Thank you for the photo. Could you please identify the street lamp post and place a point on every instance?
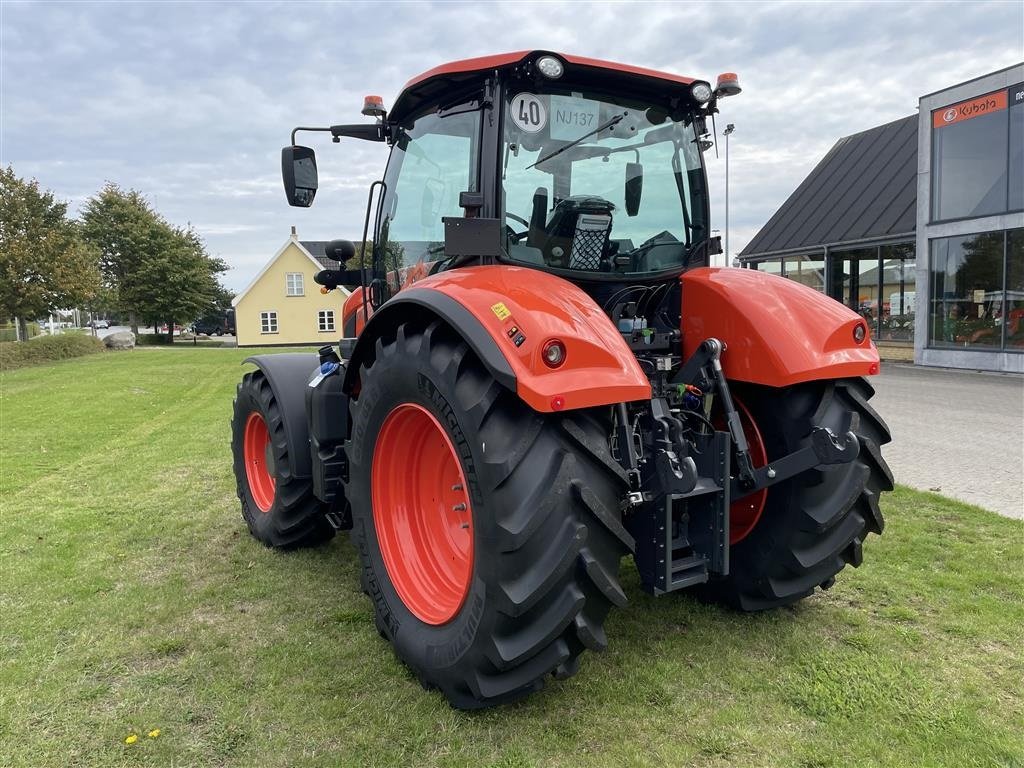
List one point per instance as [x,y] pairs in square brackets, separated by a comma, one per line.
[728,130]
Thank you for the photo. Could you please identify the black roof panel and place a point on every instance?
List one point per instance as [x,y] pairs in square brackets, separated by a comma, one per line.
[865,187]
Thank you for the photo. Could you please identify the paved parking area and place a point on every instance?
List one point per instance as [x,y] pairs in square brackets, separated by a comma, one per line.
[960,433]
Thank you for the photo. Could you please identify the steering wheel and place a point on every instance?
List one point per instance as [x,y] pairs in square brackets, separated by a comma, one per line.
[517,236]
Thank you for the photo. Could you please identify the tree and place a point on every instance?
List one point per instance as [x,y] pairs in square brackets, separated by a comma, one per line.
[127,232]
[44,262]
[158,272]
[180,281]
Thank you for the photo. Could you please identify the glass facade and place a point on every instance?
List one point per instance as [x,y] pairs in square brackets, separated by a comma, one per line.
[977,291]
[978,156]
[898,293]
[807,270]
[876,282]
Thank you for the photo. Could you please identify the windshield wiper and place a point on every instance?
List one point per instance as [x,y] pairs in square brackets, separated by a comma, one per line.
[608,124]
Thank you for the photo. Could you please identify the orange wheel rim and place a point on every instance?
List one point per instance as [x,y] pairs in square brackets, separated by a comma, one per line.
[744,513]
[256,450]
[422,514]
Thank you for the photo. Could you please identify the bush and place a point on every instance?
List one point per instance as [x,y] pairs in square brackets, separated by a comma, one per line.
[46,349]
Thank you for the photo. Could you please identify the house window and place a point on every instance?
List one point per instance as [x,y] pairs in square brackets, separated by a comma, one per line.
[325,319]
[268,322]
[294,284]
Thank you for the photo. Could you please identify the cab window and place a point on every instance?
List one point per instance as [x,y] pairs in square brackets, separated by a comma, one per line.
[432,161]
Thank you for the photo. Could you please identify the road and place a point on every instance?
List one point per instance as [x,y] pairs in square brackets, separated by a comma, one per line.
[960,433]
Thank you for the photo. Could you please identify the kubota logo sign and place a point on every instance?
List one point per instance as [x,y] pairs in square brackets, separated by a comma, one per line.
[965,110]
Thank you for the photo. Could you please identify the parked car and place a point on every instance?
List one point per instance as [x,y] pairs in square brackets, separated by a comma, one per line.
[209,327]
[100,324]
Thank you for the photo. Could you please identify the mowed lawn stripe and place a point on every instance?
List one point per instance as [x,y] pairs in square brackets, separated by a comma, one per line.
[132,598]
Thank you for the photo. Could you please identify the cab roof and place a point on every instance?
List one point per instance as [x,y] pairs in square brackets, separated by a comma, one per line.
[431,85]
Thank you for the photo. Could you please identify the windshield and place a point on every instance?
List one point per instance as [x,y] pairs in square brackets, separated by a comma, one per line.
[602,186]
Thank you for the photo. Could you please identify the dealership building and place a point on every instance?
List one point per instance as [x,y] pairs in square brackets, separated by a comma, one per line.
[918,225]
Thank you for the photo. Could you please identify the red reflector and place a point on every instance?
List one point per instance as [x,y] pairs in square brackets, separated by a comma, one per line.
[557,403]
[873,369]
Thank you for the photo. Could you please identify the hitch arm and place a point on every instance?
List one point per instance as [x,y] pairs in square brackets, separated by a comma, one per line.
[708,359]
[825,448]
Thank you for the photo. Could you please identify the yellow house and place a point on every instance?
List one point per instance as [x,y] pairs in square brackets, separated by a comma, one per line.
[283,305]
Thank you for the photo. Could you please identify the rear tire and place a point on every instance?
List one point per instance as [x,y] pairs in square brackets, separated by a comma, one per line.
[815,524]
[282,513]
[543,495]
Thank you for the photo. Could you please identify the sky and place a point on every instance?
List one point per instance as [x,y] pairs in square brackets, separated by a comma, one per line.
[191,102]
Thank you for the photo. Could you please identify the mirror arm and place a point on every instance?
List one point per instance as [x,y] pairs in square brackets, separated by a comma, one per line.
[372,132]
[302,128]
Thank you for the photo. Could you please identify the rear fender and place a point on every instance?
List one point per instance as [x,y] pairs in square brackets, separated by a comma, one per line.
[288,375]
[777,331]
[506,314]
[354,313]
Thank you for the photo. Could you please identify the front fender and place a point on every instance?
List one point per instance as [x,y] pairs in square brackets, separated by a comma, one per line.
[507,314]
[288,375]
[777,331]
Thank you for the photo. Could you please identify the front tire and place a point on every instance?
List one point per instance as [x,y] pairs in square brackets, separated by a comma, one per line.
[533,572]
[812,526]
[279,508]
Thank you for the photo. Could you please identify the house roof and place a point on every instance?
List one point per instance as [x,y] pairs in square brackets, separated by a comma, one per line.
[321,262]
[865,188]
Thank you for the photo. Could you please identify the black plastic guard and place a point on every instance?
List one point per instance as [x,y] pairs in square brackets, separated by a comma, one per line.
[288,375]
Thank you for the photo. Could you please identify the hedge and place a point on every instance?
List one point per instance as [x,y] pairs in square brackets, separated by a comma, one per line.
[45,349]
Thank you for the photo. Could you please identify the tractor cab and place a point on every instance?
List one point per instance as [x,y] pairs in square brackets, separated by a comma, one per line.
[587,169]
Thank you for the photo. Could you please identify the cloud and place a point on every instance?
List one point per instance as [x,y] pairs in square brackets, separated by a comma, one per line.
[190,102]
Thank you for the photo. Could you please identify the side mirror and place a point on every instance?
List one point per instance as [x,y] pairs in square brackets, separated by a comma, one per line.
[298,170]
[634,187]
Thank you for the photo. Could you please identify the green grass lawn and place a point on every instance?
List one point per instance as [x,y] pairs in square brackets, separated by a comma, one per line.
[132,598]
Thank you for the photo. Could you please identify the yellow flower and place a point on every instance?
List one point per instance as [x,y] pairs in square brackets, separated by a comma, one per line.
[131,739]
[154,733]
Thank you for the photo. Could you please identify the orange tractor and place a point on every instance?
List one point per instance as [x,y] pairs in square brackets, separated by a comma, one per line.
[540,375]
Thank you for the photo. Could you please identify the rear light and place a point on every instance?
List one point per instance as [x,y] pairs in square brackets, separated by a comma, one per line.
[557,403]
[873,369]
[553,353]
[860,332]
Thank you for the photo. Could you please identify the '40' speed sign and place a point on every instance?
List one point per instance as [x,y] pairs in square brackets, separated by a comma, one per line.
[529,113]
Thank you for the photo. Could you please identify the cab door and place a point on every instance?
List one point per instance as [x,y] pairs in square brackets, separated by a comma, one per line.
[434,158]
